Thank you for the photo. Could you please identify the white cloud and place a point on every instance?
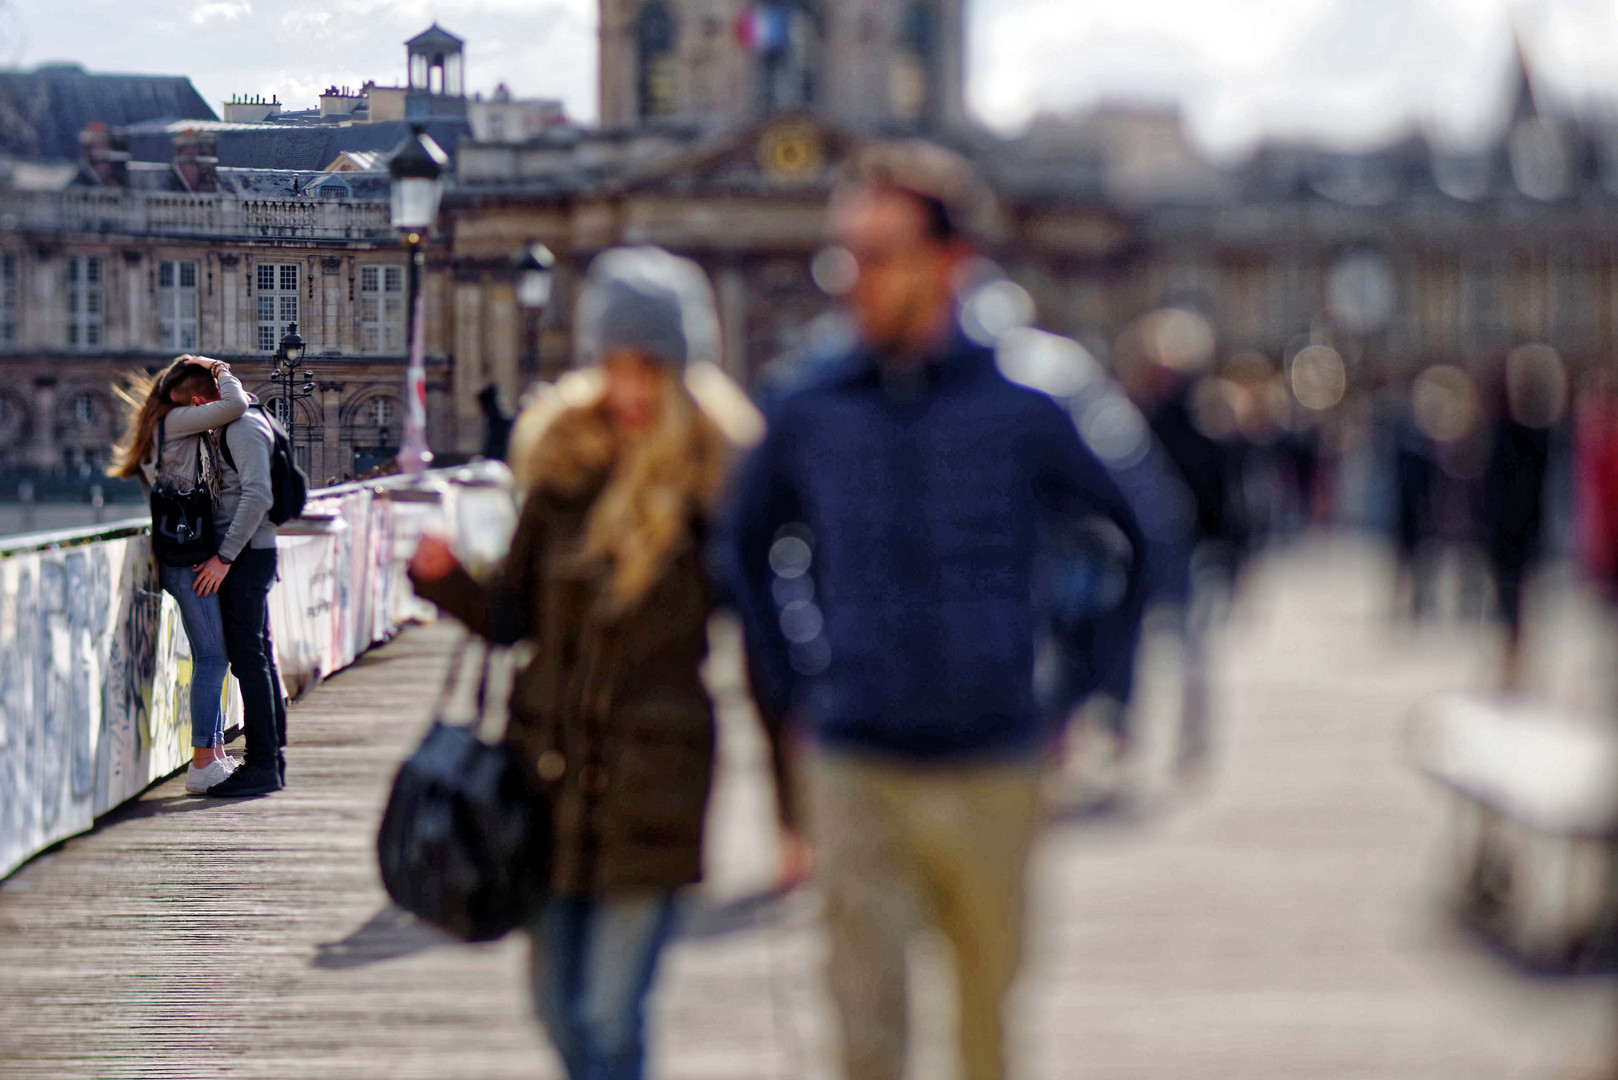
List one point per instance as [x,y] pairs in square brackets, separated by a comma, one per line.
[220,11]
[1347,70]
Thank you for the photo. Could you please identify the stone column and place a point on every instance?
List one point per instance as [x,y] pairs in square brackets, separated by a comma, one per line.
[732,297]
[49,327]
[331,304]
[230,299]
[137,329]
[331,407]
[506,341]
[469,373]
[45,453]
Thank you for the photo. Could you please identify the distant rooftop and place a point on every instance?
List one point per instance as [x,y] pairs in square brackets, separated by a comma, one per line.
[307,147]
[43,111]
[435,37]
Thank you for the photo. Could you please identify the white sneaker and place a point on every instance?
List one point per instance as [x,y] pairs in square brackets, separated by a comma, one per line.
[198,781]
[231,764]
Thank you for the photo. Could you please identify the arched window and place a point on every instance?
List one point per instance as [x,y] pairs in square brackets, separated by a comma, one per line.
[86,410]
[655,35]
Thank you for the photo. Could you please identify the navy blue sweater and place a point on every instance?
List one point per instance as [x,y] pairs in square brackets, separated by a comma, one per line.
[880,545]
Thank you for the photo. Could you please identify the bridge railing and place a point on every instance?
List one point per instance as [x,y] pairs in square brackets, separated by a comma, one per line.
[95,666]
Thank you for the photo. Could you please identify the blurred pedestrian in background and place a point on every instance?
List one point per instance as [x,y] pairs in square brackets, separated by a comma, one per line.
[881,545]
[1088,666]
[496,424]
[1530,401]
[606,580]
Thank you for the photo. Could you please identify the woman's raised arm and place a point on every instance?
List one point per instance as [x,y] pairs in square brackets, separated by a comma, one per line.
[195,419]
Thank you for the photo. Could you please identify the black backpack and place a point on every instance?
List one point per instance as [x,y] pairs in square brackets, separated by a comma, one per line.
[288,484]
[182,520]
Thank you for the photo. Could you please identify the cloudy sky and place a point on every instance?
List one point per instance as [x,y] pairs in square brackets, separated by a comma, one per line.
[1347,71]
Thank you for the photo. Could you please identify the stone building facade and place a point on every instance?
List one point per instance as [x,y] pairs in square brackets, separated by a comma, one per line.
[1402,256]
[97,283]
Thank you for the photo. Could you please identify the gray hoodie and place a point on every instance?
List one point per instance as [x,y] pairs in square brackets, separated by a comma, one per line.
[245,495]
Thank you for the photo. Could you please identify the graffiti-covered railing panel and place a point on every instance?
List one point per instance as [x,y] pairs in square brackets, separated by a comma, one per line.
[94,664]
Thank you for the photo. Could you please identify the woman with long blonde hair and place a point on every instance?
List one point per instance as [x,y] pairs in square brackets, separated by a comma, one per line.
[606,579]
[170,437]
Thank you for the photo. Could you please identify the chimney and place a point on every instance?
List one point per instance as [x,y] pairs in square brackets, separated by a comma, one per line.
[196,159]
[106,151]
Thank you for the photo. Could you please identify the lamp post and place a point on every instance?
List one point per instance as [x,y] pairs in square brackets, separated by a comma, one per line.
[284,373]
[533,269]
[417,169]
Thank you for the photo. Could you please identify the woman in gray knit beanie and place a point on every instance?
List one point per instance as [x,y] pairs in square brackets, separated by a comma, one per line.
[606,579]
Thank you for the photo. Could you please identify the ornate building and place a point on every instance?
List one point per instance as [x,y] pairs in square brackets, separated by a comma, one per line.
[717,61]
[167,236]
[724,123]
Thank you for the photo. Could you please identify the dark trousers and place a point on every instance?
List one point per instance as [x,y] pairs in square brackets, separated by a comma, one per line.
[244,604]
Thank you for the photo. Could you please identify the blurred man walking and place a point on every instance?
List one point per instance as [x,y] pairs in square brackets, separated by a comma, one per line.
[881,544]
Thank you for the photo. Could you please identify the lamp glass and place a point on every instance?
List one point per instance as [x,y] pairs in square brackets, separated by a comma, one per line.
[294,353]
[415,202]
[534,288]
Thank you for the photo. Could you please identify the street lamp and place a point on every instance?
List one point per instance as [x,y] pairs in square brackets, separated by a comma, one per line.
[417,170]
[533,269]
[284,373]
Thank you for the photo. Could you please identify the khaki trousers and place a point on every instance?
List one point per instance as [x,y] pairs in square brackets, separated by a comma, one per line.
[948,841]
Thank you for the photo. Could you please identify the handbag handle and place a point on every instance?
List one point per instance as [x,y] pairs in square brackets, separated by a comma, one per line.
[452,684]
[162,428]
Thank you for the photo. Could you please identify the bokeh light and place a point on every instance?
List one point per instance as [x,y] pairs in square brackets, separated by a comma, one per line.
[1319,377]
[1446,403]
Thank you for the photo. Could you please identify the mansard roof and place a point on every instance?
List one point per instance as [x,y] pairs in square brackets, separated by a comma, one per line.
[301,147]
[43,111]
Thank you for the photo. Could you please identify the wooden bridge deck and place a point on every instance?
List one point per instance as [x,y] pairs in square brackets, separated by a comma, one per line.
[1279,923]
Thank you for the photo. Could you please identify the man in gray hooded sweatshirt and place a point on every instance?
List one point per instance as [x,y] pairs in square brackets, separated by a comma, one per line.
[242,573]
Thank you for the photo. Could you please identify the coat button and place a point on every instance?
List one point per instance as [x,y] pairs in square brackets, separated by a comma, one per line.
[551,766]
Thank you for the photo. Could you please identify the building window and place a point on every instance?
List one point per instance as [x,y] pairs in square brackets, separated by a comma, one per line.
[277,302]
[277,407]
[382,309]
[333,191]
[382,411]
[84,302]
[655,32]
[8,299]
[86,411]
[177,305]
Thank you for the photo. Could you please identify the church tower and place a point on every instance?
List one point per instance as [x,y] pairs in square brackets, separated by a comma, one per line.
[870,63]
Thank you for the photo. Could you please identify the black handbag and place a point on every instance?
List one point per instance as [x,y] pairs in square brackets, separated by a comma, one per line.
[182,519]
[465,841]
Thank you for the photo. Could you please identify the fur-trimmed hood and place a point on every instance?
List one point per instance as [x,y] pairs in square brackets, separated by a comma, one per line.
[648,496]
[555,436]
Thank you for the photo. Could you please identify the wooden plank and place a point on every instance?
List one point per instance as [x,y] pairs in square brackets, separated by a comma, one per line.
[1280,924]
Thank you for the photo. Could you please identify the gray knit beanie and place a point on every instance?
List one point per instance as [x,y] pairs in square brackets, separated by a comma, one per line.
[645,298]
[642,315]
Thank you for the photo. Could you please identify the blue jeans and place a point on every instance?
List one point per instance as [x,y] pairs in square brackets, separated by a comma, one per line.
[593,964]
[205,629]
